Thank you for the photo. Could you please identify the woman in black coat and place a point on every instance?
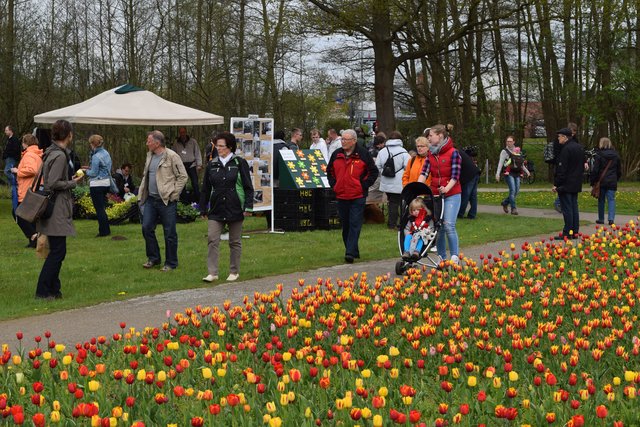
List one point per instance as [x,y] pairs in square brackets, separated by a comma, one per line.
[606,155]
[227,192]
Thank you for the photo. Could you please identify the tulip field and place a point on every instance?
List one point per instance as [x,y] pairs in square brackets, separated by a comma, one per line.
[542,334]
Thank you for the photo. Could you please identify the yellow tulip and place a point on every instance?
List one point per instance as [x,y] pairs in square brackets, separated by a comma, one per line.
[206,373]
[222,372]
[377,421]
[94,385]
[513,376]
[472,381]
[55,416]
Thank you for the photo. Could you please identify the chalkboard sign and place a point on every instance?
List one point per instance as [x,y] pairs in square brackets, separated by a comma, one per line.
[303,169]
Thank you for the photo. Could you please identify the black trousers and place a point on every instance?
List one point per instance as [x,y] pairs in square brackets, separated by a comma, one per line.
[49,280]
[192,172]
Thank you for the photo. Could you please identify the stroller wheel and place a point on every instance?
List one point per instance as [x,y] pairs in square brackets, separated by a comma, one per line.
[400,268]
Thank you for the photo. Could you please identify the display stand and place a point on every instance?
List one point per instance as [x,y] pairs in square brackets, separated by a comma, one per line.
[304,201]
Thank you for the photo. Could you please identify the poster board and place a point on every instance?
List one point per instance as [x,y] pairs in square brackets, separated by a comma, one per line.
[302,169]
[254,136]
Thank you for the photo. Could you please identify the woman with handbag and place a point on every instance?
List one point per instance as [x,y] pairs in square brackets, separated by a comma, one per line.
[27,171]
[55,173]
[605,174]
[99,174]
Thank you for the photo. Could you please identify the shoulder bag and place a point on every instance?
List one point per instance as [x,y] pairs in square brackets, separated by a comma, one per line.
[595,190]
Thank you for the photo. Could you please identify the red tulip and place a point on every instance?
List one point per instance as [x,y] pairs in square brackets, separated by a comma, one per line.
[601,411]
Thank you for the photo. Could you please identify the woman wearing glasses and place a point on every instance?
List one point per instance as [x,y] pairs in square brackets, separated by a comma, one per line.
[227,197]
[414,168]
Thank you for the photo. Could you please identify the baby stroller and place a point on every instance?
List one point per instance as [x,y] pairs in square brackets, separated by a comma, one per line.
[427,234]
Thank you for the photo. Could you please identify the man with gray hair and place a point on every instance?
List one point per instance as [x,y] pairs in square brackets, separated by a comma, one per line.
[163,179]
[351,171]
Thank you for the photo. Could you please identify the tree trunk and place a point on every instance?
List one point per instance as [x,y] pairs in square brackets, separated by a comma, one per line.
[384,73]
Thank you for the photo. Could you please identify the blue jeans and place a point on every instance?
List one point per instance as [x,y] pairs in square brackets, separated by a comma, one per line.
[513,182]
[570,213]
[610,196]
[469,195]
[451,208]
[99,199]
[154,210]
[351,213]
[10,162]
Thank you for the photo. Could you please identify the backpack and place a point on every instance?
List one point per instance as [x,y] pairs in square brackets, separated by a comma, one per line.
[548,152]
[516,162]
[389,168]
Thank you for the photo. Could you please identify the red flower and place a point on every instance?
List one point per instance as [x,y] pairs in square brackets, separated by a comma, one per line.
[551,379]
[233,399]
[38,387]
[355,414]
[576,421]
[551,417]
[406,390]
[38,419]
[130,401]
[414,416]
[482,396]
[197,421]
[464,409]
[601,411]
[214,409]
[446,386]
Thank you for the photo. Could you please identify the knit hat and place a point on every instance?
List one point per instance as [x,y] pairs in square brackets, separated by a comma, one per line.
[566,132]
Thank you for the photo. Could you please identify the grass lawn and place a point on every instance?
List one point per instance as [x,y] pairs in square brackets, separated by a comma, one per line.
[99,270]
[626,201]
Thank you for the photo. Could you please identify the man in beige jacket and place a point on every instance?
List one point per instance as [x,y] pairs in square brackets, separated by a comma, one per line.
[163,179]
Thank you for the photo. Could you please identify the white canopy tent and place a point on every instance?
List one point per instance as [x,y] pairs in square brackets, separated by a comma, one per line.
[130,105]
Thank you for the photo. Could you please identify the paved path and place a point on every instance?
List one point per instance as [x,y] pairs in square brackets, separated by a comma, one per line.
[79,325]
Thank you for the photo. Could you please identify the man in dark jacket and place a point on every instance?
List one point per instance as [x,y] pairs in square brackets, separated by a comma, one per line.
[469,178]
[567,181]
[351,171]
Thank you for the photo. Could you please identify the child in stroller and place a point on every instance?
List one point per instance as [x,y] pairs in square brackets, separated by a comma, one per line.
[418,230]
[421,219]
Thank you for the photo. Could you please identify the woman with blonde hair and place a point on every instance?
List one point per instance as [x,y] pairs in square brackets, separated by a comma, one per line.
[607,171]
[444,165]
[413,169]
[99,174]
[26,172]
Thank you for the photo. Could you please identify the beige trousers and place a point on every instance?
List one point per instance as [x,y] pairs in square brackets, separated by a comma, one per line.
[235,245]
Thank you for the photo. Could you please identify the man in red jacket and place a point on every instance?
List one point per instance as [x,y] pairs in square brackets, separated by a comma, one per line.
[351,171]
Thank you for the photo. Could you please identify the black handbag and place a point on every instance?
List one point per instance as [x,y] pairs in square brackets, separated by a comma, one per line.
[37,203]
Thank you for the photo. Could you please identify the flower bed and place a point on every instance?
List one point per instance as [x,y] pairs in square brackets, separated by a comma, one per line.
[542,334]
[119,210]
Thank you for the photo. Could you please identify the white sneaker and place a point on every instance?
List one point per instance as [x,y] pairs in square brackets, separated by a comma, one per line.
[224,236]
[455,260]
[232,277]
[209,278]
